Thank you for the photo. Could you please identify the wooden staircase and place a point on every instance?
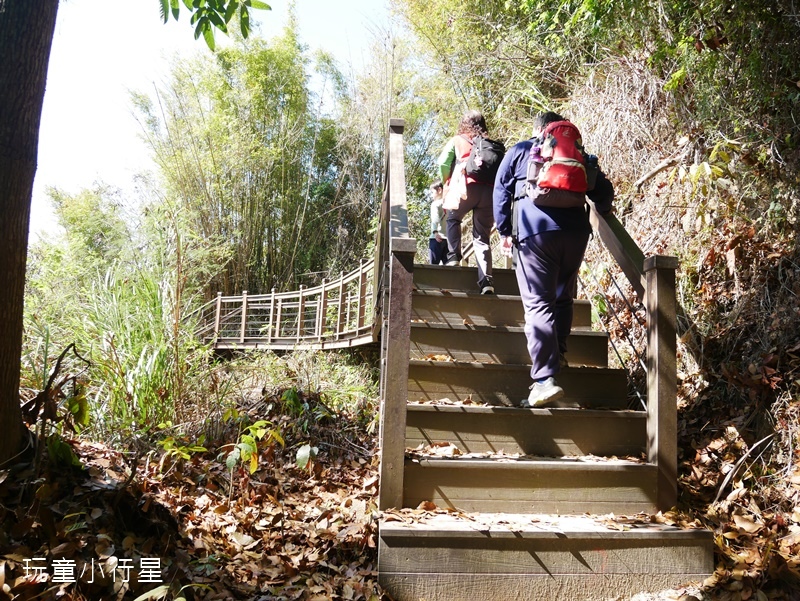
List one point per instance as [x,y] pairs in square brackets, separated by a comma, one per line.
[481,499]
[530,492]
[534,504]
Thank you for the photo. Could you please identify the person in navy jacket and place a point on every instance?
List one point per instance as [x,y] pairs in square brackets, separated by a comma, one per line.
[550,243]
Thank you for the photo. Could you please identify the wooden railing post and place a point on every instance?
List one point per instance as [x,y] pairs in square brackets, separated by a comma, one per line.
[340,314]
[369,298]
[279,319]
[378,287]
[243,330]
[218,315]
[396,335]
[362,291]
[322,310]
[300,311]
[349,311]
[271,316]
[662,387]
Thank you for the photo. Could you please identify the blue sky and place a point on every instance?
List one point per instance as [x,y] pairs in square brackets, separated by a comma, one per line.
[104,48]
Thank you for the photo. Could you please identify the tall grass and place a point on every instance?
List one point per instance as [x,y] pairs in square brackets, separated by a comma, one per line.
[124,311]
[124,325]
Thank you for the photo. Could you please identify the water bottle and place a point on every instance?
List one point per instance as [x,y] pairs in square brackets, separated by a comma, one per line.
[592,169]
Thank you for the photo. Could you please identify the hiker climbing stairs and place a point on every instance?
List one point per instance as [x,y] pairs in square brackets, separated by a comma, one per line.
[512,502]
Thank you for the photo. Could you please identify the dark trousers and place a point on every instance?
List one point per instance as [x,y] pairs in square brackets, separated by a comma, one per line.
[479,201]
[547,274]
[437,251]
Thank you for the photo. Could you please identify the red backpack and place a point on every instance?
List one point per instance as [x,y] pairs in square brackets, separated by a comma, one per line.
[557,160]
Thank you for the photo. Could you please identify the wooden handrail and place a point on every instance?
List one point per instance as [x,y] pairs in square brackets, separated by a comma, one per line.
[622,247]
[653,280]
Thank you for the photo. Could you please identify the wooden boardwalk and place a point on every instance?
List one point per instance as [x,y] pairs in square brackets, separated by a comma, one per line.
[335,314]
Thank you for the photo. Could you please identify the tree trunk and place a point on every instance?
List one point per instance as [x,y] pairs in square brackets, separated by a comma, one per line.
[26,33]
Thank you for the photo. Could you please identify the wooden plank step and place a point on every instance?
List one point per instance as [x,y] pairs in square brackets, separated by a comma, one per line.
[441,306]
[501,556]
[464,279]
[507,384]
[561,486]
[503,344]
[543,432]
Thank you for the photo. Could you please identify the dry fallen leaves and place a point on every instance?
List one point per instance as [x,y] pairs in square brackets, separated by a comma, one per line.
[281,533]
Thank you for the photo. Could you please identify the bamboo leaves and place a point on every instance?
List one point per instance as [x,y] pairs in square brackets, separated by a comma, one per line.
[248,152]
[207,15]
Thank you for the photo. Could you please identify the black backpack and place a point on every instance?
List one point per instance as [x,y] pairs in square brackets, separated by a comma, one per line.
[484,159]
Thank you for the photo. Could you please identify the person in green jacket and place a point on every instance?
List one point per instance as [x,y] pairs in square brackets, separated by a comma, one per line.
[478,199]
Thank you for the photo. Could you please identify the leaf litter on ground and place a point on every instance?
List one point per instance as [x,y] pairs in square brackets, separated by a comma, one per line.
[202,530]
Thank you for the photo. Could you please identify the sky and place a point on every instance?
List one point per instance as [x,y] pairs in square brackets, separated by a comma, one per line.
[103,49]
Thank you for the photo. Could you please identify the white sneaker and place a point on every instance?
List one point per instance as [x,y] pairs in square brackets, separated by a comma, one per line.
[452,264]
[543,393]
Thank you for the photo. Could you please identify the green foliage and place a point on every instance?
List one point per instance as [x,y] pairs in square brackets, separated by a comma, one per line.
[249,161]
[179,447]
[599,306]
[94,223]
[36,356]
[77,406]
[731,65]
[308,388]
[304,455]
[292,402]
[124,308]
[344,381]
[486,57]
[61,454]
[131,353]
[207,15]
[66,268]
[245,450]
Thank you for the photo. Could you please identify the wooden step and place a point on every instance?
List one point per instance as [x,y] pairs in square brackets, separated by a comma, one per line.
[499,344]
[453,307]
[542,432]
[464,279]
[503,384]
[559,486]
[497,556]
